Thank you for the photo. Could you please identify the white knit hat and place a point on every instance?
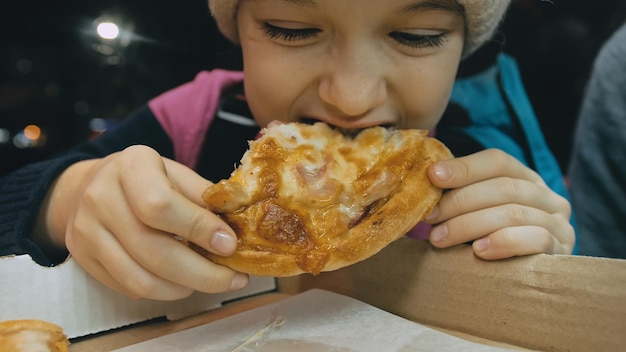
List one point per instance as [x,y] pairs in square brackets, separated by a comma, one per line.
[482,18]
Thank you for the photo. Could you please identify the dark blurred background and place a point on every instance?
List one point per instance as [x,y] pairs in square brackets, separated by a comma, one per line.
[61,83]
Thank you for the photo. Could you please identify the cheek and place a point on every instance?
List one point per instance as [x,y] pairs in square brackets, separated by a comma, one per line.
[428,93]
[261,106]
[268,88]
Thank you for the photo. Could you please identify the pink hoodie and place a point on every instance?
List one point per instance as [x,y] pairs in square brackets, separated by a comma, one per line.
[186,112]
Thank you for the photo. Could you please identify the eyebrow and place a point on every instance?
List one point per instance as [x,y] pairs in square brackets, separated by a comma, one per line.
[308,3]
[428,5]
[440,5]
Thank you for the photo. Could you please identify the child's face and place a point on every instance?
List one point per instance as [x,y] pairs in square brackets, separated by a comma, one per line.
[352,64]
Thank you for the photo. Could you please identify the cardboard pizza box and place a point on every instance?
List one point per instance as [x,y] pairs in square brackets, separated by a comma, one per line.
[539,302]
[69,297]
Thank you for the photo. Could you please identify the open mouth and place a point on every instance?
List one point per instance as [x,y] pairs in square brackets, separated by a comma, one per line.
[352,132]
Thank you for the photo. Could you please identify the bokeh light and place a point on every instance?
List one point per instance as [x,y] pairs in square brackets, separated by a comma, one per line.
[32,132]
[5,135]
[108,30]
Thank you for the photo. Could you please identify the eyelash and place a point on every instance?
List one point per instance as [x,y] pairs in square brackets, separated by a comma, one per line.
[419,41]
[288,34]
[410,40]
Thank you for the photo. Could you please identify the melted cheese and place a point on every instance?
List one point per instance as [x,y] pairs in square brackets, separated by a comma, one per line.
[326,164]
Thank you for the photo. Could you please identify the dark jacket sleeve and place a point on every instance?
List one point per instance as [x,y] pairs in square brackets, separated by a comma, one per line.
[23,190]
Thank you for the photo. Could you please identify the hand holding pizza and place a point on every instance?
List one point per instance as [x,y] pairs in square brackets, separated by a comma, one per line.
[119,215]
[501,205]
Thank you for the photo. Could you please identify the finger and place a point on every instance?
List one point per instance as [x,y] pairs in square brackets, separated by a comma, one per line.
[138,279]
[478,224]
[518,241]
[495,192]
[173,260]
[491,163]
[157,202]
[95,269]
[166,257]
[108,262]
[134,290]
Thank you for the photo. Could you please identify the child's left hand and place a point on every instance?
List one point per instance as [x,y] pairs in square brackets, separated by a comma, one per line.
[504,207]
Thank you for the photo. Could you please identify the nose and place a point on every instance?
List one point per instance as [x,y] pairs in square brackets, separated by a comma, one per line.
[355,81]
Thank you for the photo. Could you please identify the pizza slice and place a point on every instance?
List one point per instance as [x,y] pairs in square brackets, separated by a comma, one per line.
[29,335]
[307,198]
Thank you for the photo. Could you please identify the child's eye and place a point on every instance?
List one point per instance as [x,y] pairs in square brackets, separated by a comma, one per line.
[289,34]
[419,40]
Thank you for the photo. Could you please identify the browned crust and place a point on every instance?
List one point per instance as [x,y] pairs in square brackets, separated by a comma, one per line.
[10,340]
[408,205]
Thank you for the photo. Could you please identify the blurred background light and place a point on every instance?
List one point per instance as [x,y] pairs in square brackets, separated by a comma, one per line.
[24,66]
[98,125]
[108,30]
[30,136]
[32,132]
[81,107]
[103,49]
[5,135]
[21,142]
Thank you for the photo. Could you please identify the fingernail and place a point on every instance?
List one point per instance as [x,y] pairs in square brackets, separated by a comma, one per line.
[433,215]
[442,171]
[223,243]
[439,234]
[482,244]
[239,281]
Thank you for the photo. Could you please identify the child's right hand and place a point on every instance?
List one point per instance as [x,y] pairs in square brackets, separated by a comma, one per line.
[117,215]
[500,205]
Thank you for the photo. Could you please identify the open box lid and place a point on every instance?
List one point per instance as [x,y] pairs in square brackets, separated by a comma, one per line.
[69,297]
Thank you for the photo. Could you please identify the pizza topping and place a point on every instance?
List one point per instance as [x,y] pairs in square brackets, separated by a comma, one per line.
[377,185]
[281,225]
[320,189]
